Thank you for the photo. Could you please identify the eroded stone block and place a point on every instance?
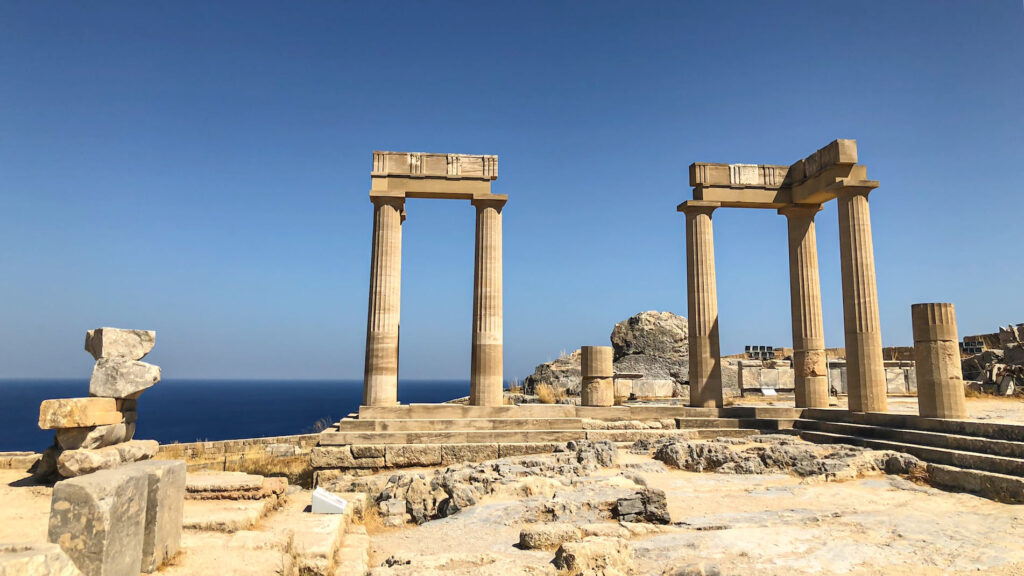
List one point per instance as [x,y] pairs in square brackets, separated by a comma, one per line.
[122,378]
[99,520]
[119,343]
[91,436]
[405,455]
[35,559]
[73,463]
[455,453]
[77,413]
[165,499]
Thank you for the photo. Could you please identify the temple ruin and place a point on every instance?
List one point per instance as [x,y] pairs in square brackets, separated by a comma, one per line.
[399,175]
[797,192]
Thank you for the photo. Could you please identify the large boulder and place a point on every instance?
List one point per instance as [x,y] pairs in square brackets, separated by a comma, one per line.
[656,345]
[122,378]
[563,375]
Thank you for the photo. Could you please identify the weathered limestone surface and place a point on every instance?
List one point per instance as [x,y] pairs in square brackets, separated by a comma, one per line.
[78,413]
[702,306]
[119,343]
[91,436]
[486,372]
[343,457]
[72,463]
[99,520]
[35,559]
[122,378]
[380,378]
[940,386]
[403,455]
[548,535]
[866,372]
[597,555]
[165,499]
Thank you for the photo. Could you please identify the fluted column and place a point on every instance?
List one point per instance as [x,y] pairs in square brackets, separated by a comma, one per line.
[865,369]
[809,366]
[940,384]
[486,384]
[380,375]
[597,368]
[702,305]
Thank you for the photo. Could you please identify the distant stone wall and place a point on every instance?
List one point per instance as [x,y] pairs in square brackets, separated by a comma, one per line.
[271,456]
[900,376]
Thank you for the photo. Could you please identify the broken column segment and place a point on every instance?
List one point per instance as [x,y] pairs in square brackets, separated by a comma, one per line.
[165,501]
[940,385]
[597,367]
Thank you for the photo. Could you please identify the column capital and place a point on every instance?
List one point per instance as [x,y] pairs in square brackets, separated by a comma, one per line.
[698,207]
[496,201]
[800,210]
[381,198]
[852,187]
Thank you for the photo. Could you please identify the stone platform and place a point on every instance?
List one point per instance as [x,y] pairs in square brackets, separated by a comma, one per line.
[985,458]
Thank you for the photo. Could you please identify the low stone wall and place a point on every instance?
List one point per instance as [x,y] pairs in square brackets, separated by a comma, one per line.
[900,376]
[271,456]
[18,460]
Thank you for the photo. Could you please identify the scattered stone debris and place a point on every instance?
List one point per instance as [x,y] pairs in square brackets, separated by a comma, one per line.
[778,453]
[596,556]
[648,505]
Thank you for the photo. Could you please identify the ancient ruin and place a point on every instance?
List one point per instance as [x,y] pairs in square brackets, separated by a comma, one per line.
[796,191]
[395,177]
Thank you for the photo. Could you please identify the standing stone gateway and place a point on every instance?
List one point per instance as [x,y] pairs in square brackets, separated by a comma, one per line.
[796,191]
[396,176]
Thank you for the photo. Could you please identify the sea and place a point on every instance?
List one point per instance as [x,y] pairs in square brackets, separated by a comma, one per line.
[201,410]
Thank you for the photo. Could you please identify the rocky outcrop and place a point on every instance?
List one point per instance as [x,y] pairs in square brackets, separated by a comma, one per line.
[653,344]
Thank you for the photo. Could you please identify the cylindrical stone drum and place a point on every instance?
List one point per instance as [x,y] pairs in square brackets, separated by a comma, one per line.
[597,367]
[940,385]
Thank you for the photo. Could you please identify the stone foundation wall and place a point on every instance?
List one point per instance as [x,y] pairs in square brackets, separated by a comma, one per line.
[271,456]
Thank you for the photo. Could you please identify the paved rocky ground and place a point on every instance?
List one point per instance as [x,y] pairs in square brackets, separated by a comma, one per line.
[763,524]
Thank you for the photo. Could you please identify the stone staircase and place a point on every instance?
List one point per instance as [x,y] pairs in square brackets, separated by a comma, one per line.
[985,458]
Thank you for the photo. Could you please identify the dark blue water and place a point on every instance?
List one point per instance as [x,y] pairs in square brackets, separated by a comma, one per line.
[190,410]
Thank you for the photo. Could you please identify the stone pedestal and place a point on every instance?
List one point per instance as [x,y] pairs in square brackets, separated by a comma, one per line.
[486,376]
[598,371]
[810,372]
[940,385]
[866,373]
[702,306]
[380,377]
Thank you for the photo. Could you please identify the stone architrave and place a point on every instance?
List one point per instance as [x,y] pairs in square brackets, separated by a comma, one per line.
[78,413]
[702,306]
[122,378]
[486,374]
[119,343]
[810,383]
[165,501]
[380,378]
[864,362]
[940,385]
[99,520]
[597,369]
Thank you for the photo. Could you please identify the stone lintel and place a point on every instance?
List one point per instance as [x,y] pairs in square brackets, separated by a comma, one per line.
[749,197]
[698,206]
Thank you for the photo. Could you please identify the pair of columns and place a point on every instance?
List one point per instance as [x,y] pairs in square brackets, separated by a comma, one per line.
[866,373]
[380,377]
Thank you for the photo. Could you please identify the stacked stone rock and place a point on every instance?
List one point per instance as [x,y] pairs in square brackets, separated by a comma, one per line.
[96,433]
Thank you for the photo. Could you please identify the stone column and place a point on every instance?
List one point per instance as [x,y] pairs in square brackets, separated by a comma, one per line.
[810,371]
[598,370]
[702,305]
[940,385]
[380,375]
[486,384]
[865,370]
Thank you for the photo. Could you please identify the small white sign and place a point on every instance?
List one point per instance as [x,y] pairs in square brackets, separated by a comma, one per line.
[768,392]
[326,503]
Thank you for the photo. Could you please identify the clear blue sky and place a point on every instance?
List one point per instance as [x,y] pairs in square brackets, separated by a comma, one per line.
[202,169]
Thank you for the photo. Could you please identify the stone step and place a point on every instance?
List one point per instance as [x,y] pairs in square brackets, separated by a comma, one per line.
[459,424]
[766,424]
[317,538]
[225,515]
[687,423]
[992,430]
[761,412]
[999,487]
[620,436]
[935,439]
[959,459]
[445,411]
[332,438]
[354,555]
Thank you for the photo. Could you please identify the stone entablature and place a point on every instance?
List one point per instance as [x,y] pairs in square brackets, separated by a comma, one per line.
[429,175]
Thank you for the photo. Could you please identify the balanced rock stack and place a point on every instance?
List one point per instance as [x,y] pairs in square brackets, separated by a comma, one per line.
[96,433]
